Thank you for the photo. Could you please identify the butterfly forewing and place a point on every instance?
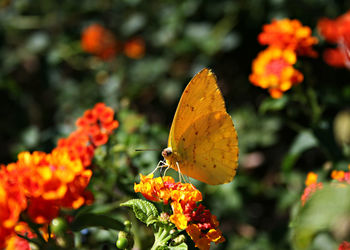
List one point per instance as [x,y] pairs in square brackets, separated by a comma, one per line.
[200,97]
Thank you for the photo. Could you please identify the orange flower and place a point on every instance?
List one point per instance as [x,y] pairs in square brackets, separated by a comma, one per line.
[311,187]
[289,34]
[99,41]
[336,31]
[165,189]
[16,242]
[135,48]
[273,70]
[311,178]
[199,223]
[12,203]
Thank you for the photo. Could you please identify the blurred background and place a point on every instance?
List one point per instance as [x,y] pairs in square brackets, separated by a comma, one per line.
[51,71]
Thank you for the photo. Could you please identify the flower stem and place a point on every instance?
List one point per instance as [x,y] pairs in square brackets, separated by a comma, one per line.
[161,237]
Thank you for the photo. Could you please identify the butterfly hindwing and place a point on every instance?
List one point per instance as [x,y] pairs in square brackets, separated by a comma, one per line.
[209,149]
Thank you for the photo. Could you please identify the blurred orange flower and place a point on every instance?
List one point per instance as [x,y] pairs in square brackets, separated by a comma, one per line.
[135,48]
[311,186]
[336,31]
[273,70]
[99,41]
[289,34]
[311,178]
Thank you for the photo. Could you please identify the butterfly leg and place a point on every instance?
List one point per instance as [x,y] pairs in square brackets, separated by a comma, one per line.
[181,176]
[159,165]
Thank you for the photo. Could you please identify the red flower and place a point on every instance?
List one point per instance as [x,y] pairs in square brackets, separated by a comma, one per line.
[344,246]
[336,31]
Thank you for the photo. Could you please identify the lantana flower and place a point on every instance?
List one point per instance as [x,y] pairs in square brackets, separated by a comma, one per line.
[198,222]
[99,41]
[273,70]
[42,183]
[311,186]
[336,31]
[135,48]
[289,34]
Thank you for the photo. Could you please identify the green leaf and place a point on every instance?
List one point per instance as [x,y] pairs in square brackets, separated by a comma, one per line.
[304,141]
[145,211]
[328,209]
[96,220]
[182,246]
[271,104]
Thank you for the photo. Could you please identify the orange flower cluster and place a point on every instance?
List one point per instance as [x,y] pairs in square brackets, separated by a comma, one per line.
[199,223]
[99,41]
[336,31]
[312,185]
[289,34]
[273,68]
[42,183]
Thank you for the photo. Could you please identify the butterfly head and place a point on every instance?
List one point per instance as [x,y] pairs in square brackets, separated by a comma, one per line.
[167,153]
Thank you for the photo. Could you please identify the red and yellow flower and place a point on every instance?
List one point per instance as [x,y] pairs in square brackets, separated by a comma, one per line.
[99,41]
[273,70]
[43,183]
[289,34]
[12,203]
[311,186]
[199,223]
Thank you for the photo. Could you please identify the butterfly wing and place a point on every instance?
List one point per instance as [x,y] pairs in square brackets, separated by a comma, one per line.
[208,149]
[200,97]
[202,134]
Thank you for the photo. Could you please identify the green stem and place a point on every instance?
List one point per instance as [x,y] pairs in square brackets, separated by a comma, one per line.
[316,110]
[161,237]
[34,241]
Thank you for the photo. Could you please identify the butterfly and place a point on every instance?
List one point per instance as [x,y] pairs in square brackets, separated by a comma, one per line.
[203,141]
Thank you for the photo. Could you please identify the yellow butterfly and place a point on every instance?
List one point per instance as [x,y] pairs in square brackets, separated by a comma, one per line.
[203,142]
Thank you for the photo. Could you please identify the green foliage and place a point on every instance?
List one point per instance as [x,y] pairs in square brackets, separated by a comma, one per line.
[145,211]
[327,209]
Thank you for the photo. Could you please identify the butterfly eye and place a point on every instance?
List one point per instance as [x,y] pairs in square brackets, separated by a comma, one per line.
[167,152]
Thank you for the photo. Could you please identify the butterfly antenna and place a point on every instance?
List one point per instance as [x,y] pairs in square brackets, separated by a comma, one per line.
[147,149]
